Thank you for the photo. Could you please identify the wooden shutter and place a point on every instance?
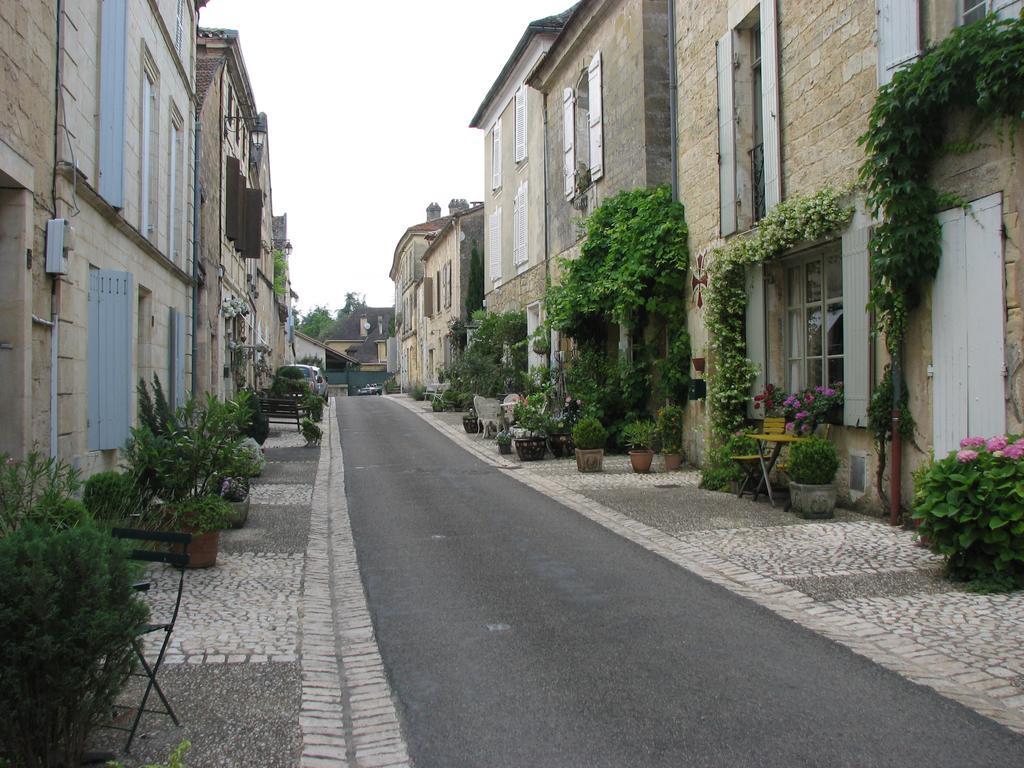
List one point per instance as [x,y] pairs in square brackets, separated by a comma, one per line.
[428,296]
[176,358]
[495,245]
[596,121]
[726,138]
[949,338]
[986,411]
[521,124]
[899,36]
[568,142]
[856,322]
[755,327]
[496,155]
[253,248]
[240,212]
[770,104]
[1007,9]
[109,356]
[112,101]
[231,201]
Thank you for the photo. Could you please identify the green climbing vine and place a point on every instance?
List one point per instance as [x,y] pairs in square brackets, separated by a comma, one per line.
[630,269]
[796,220]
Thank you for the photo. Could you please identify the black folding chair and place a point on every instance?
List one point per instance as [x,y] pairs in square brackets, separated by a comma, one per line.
[172,549]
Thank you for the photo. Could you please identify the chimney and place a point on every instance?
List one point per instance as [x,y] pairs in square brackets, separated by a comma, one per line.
[433,211]
[380,324]
[362,325]
[457,204]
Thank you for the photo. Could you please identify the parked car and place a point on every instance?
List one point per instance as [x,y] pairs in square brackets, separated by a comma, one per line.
[370,389]
[314,378]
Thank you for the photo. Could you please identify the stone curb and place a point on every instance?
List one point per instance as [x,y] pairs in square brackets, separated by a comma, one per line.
[914,661]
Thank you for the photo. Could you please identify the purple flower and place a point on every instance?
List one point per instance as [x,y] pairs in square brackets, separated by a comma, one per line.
[828,392]
[1015,451]
[789,426]
[997,443]
[805,428]
[965,456]
[808,398]
[801,416]
[972,442]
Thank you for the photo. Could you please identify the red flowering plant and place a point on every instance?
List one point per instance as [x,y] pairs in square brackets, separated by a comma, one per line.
[804,411]
[769,402]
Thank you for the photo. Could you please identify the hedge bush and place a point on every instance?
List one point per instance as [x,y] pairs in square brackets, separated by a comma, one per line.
[111,497]
[812,462]
[589,434]
[68,613]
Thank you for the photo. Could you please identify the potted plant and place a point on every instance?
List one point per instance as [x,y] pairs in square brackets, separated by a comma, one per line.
[311,432]
[470,422]
[589,438]
[504,441]
[670,428]
[529,436]
[812,467]
[235,491]
[559,437]
[203,517]
[639,435]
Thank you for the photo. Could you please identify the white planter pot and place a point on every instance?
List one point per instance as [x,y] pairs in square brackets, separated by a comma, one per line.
[812,502]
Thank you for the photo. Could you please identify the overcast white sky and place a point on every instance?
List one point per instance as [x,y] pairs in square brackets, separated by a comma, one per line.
[368,105]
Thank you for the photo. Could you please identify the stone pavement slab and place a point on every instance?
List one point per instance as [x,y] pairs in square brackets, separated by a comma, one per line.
[904,616]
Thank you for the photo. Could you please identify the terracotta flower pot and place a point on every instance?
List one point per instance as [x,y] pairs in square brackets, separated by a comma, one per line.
[641,461]
[203,549]
[673,461]
[589,459]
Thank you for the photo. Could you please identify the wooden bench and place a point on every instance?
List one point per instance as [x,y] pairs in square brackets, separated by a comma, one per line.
[284,410]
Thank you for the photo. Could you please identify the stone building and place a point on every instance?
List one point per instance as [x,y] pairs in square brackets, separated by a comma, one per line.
[445,282]
[97,169]
[245,294]
[512,116]
[604,82]
[363,337]
[407,275]
[772,99]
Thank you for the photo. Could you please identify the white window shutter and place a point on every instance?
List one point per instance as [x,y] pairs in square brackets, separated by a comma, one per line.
[770,104]
[495,245]
[986,409]
[515,228]
[521,124]
[1007,9]
[113,45]
[569,141]
[949,338]
[109,355]
[899,36]
[856,322]
[524,223]
[756,329]
[596,120]
[176,356]
[496,156]
[179,27]
[726,138]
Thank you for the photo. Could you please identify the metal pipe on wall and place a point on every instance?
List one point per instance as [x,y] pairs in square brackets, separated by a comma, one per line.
[196,201]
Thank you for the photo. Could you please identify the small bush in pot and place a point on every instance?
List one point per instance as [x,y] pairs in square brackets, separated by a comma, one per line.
[970,509]
[418,392]
[670,429]
[589,437]
[504,441]
[812,465]
[436,405]
[203,517]
[311,432]
[639,436]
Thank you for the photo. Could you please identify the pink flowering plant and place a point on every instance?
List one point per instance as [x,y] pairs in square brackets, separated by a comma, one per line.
[804,411]
[970,507]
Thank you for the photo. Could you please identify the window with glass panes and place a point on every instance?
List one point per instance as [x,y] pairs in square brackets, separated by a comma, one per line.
[973,10]
[814,319]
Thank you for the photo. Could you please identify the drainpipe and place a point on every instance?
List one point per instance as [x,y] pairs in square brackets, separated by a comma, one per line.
[195,256]
[673,92]
[547,222]
[895,473]
[54,322]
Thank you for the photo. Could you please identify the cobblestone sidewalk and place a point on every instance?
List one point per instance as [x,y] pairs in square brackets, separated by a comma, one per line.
[854,579]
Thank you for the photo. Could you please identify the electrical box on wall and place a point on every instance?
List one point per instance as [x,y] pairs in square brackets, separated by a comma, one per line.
[59,243]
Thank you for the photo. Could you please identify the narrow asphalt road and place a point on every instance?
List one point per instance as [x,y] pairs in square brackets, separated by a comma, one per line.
[516,633]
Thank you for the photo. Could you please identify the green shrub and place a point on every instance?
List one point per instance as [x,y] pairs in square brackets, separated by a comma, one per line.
[314,404]
[417,392]
[174,760]
[588,434]
[812,462]
[529,414]
[311,432]
[34,490]
[452,400]
[199,514]
[670,428]
[719,468]
[67,617]
[111,497]
[436,405]
[970,506]
[639,434]
[249,460]
[154,411]
[494,360]
[255,424]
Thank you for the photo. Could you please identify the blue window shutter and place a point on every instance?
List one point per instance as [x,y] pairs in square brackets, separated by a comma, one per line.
[176,357]
[112,101]
[111,297]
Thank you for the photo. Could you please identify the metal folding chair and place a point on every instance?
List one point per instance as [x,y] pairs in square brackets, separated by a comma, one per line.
[171,549]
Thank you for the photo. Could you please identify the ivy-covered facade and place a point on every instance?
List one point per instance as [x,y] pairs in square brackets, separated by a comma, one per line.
[818,255]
